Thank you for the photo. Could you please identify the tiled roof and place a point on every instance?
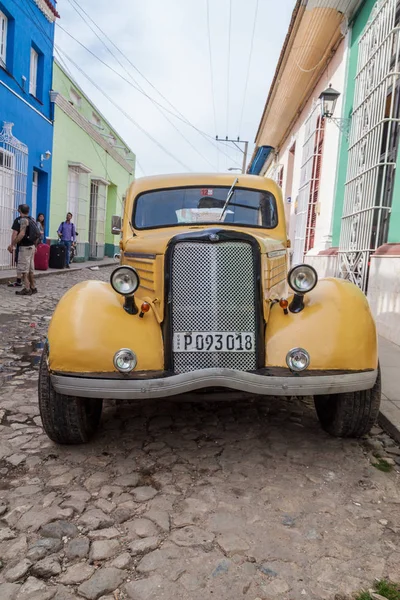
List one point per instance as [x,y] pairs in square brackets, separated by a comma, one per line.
[52,8]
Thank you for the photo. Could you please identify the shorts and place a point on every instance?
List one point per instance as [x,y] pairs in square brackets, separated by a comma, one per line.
[25,260]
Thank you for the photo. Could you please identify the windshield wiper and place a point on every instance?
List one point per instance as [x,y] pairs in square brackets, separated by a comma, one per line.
[228,198]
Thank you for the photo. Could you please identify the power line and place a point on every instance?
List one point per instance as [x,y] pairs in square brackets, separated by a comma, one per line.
[211,65]
[248,67]
[229,66]
[183,119]
[58,50]
[177,114]
[156,105]
[131,119]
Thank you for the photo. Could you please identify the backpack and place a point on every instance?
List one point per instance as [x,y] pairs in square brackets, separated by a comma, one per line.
[33,233]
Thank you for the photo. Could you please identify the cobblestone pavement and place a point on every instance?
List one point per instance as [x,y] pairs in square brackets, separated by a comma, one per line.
[183,501]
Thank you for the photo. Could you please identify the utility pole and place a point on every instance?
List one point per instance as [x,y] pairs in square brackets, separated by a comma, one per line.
[235,143]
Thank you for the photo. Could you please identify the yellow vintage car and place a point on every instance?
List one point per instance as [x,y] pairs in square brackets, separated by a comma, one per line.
[203,300]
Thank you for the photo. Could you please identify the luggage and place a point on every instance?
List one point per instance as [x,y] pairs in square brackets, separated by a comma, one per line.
[42,256]
[57,256]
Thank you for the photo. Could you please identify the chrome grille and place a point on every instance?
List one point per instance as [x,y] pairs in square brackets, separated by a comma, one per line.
[213,289]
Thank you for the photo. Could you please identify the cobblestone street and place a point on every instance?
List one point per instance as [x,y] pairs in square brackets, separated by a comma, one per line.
[183,501]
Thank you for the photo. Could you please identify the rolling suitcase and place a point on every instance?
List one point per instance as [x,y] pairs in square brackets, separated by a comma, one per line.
[57,256]
[42,256]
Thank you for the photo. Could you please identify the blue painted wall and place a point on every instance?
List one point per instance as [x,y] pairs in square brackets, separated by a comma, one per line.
[32,117]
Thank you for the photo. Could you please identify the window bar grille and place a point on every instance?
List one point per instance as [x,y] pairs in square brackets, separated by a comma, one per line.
[13,182]
[373,144]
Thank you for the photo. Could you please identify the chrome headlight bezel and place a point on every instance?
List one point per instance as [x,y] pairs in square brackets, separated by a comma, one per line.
[295,271]
[129,271]
[291,355]
[129,355]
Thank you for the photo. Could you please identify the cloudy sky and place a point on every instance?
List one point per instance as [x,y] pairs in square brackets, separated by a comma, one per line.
[168,43]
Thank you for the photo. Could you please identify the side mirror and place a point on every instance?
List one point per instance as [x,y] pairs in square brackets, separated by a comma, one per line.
[116,225]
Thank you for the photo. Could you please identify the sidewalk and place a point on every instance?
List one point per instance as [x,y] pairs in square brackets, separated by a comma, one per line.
[10,274]
[389,418]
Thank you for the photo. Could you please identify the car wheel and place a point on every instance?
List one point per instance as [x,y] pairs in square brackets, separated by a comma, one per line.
[352,414]
[66,419]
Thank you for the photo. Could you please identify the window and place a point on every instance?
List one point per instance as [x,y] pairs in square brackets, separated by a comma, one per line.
[3,38]
[181,206]
[76,100]
[33,74]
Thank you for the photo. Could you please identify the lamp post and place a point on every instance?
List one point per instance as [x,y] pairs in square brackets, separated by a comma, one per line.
[328,104]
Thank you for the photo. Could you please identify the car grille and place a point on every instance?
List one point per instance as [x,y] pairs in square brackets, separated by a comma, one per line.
[213,289]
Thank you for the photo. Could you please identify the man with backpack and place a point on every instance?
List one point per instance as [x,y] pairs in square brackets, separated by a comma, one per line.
[26,240]
[67,234]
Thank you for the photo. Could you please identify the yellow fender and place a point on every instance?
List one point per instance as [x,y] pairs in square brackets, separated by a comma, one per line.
[336,328]
[89,325]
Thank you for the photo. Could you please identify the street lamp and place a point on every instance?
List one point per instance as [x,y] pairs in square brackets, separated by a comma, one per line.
[329,98]
[328,104]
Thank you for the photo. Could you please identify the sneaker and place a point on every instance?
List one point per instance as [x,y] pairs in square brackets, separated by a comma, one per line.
[14,284]
[67,266]
[34,290]
[24,292]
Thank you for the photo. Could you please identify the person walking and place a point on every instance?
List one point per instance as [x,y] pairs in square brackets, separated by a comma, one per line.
[41,225]
[67,234]
[26,238]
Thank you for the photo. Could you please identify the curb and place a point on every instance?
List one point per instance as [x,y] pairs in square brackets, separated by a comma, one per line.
[40,274]
[389,419]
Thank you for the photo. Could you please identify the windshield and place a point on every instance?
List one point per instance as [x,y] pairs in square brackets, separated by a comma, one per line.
[203,205]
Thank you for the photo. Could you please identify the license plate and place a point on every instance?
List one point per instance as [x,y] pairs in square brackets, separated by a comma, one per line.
[207,341]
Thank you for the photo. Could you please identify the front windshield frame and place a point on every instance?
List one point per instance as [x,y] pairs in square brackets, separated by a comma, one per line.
[206,223]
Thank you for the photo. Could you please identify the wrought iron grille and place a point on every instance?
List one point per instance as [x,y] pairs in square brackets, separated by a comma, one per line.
[13,181]
[309,184]
[373,144]
[213,289]
[97,218]
[78,204]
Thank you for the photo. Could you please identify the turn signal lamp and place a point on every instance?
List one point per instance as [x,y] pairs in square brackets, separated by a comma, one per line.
[144,309]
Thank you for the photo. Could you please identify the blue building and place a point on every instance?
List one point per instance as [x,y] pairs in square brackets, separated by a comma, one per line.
[26,120]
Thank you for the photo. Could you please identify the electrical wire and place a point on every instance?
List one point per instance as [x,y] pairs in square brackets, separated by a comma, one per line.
[211,73]
[248,67]
[156,105]
[57,49]
[129,117]
[229,67]
[183,119]
[206,136]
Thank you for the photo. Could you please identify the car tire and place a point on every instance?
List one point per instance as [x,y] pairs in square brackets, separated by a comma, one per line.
[352,414]
[66,419]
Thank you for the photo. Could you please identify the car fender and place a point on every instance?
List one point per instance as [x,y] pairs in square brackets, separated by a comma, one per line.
[336,328]
[90,324]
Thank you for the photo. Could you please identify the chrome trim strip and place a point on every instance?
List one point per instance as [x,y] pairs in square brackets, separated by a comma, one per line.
[134,389]
[139,255]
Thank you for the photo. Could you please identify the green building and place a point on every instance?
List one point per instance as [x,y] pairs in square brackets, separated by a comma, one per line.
[366,224]
[92,169]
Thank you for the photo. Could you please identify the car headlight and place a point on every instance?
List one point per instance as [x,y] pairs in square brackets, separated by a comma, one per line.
[302,279]
[125,280]
[297,359]
[125,360]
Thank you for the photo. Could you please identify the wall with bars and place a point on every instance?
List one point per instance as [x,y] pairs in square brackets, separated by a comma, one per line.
[31,116]
[357,29]
[74,145]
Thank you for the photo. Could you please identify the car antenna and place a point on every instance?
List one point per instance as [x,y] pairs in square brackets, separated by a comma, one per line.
[228,198]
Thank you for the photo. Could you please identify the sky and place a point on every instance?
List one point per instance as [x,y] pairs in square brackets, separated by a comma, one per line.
[168,43]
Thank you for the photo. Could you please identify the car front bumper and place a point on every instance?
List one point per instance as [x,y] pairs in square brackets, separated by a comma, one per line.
[264,383]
